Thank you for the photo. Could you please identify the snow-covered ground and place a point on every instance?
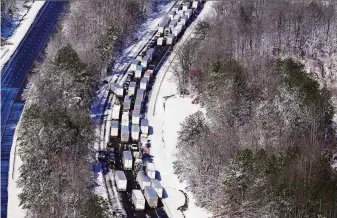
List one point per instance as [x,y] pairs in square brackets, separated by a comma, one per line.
[166,123]
[13,42]
[165,116]
[13,208]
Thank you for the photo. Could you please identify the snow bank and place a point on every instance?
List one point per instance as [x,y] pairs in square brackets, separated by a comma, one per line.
[13,208]
[100,190]
[166,124]
[13,42]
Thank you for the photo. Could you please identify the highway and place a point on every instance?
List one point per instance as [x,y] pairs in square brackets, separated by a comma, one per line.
[106,102]
[13,80]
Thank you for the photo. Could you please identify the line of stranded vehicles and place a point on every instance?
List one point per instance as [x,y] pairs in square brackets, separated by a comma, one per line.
[126,113]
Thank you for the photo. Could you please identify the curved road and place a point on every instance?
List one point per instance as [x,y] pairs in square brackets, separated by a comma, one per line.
[13,79]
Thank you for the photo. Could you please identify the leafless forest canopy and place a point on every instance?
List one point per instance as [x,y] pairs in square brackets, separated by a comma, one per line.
[259,149]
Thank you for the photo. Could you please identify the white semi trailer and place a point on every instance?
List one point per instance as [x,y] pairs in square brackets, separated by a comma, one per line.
[125,119]
[114,128]
[116,109]
[125,134]
[143,180]
[127,160]
[143,83]
[117,90]
[151,197]
[157,187]
[138,199]
[127,103]
[120,180]
[132,88]
[135,132]
[150,170]
[144,125]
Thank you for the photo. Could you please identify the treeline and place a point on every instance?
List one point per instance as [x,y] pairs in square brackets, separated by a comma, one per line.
[56,135]
[258,152]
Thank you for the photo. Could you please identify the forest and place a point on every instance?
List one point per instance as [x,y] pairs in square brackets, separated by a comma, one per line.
[56,133]
[265,73]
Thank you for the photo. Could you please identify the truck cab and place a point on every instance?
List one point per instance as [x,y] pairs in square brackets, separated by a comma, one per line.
[167,31]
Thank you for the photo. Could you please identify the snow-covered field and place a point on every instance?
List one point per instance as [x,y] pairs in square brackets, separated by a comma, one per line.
[165,116]
[166,123]
[13,42]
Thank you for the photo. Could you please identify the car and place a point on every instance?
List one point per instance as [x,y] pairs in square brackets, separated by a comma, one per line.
[131,73]
[151,67]
[152,44]
[158,34]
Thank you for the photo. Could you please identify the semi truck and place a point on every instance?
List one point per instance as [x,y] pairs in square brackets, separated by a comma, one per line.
[169,40]
[138,199]
[143,140]
[132,88]
[176,7]
[127,160]
[125,134]
[117,90]
[145,61]
[136,116]
[137,105]
[150,53]
[116,111]
[171,14]
[160,40]
[164,23]
[195,4]
[147,74]
[134,64]
[177,30]
[150,170]
[140,94]
[187,5]
[157,187]
[189,13]
[125,119]
[151,197]
[143,180]
[127,103]
[114,128]
[144,125]
[139,71]
[135,132]
[143,83]
[120,180]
